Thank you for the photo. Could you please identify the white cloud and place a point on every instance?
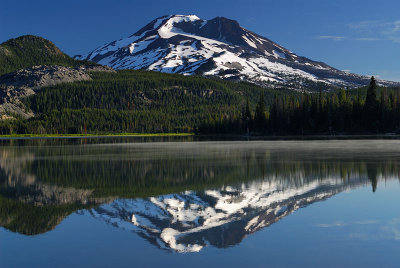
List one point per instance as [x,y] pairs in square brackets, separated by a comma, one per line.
[392,232]
[395,221]
[365,25]
[376,30]
[341,223]
[332,37]
[367,222]
[392,75]
[389,230]
[335,224]
[368,39]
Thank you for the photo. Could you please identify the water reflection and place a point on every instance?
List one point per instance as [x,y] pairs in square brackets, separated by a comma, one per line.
[222,217]
[183,196]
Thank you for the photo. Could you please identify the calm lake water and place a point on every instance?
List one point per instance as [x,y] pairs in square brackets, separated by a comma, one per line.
[121,202]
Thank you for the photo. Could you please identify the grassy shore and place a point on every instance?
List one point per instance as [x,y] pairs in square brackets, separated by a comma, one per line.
[97,135]
[211,137]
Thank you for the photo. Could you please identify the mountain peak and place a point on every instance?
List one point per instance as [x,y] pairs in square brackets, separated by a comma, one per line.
[226,21]
[185,18]
[219,47]
[30,50]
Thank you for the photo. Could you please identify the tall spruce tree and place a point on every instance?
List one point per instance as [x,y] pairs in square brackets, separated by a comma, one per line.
[247,117]
[371,100]
[260,116]
[371,107]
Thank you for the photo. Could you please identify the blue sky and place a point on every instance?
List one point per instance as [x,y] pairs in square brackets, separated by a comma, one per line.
[360,36]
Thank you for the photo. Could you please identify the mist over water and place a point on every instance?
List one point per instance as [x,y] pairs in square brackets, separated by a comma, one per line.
[140,201]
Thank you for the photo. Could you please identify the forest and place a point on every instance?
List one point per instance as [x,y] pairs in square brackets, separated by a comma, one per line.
[132,101]
[342,112]
[135,102]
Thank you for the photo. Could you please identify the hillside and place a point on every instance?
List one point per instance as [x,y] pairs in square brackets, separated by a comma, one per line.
[29,50]
[134,101]
[29,63]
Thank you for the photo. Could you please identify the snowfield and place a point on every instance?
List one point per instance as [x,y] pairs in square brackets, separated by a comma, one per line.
[188,45]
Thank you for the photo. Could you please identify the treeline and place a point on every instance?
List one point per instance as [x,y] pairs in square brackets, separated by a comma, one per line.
[133,101]
[87,120]
[148,102]
[329,113]
[124,172]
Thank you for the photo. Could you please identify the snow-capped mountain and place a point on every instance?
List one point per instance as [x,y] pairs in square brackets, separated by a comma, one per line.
[189,221]
[188,45]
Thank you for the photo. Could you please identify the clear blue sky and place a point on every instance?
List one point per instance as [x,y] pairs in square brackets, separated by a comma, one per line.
[361,36]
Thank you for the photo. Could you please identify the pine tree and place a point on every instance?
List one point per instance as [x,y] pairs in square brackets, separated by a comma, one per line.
[371,107]
[247,117]
[370,100]
[261,114]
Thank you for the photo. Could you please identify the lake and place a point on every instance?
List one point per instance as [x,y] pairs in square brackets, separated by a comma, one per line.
[137,202]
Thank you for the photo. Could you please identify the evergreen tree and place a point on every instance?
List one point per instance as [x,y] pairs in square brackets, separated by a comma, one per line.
[370,100]
[371,107]
[247,117]
[261,114]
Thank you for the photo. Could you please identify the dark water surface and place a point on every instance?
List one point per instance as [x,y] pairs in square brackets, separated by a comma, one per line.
[125,202]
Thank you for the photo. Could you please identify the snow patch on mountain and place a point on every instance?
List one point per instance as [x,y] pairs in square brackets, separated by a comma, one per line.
[188,45]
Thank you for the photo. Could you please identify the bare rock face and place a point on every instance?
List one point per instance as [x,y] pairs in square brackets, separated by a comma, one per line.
[26,82]
[97,68]
[31,79]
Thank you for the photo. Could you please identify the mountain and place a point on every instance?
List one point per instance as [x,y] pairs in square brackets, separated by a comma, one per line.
[28,64]
[188,45]
[29,50]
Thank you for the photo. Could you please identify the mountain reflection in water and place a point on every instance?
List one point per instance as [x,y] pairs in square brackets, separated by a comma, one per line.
[189,221]
[183,196]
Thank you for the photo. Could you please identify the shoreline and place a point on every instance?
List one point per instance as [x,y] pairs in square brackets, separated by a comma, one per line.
[307,137]
[108,135]
[206,137]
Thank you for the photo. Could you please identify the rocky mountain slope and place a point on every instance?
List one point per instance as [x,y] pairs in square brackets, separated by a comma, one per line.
[26,82]
[188,45]
[29,63]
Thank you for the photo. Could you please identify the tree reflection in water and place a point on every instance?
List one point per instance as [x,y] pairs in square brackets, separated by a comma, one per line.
[182,196]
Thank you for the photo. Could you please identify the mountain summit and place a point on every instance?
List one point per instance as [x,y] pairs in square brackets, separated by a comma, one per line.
[188,45]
